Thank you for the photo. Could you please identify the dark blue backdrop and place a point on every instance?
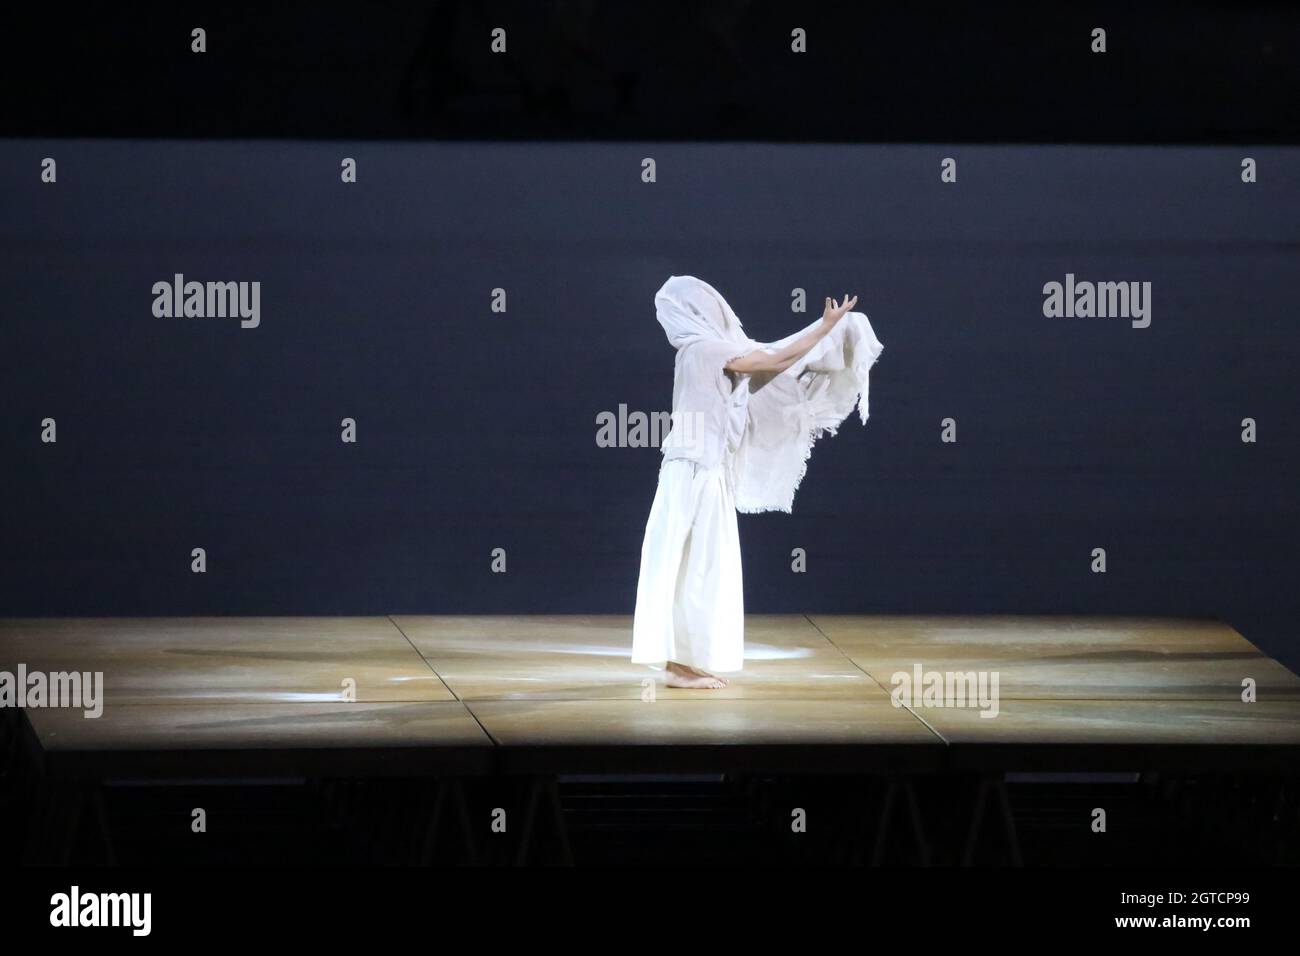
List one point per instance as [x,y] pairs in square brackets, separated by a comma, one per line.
[477,430]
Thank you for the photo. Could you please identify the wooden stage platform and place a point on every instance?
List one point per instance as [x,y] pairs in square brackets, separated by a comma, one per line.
[520,692]
[458,697]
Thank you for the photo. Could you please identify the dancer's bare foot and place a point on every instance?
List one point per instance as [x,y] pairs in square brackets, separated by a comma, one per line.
[679,675]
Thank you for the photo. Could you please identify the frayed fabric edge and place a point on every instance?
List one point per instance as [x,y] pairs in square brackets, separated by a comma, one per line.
[816,431]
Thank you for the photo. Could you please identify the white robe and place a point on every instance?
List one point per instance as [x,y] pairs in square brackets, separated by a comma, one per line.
[737,443]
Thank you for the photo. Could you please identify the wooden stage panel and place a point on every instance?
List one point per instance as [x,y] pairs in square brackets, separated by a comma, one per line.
[164,739]
[713,722]
[230,660]
[563,657]
[1068,658]
[1121,721]
[1132,734]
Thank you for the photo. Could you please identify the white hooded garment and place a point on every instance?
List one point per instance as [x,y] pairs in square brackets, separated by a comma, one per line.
[773,419]
[737,443]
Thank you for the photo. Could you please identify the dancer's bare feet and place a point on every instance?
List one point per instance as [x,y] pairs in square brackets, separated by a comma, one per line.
[679,675]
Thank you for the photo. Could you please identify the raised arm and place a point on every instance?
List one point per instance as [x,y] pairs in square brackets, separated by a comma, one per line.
[762,361]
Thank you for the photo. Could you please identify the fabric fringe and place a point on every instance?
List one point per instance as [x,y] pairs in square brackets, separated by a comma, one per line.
[821,418]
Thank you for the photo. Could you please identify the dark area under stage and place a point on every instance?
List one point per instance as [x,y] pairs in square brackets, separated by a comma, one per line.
[541,722]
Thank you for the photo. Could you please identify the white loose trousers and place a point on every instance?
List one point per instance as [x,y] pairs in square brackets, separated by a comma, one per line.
[689,597]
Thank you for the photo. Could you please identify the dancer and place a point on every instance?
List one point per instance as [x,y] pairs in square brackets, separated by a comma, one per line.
[745,417]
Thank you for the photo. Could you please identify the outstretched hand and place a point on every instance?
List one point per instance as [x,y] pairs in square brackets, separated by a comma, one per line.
[835,310]
[767,360]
